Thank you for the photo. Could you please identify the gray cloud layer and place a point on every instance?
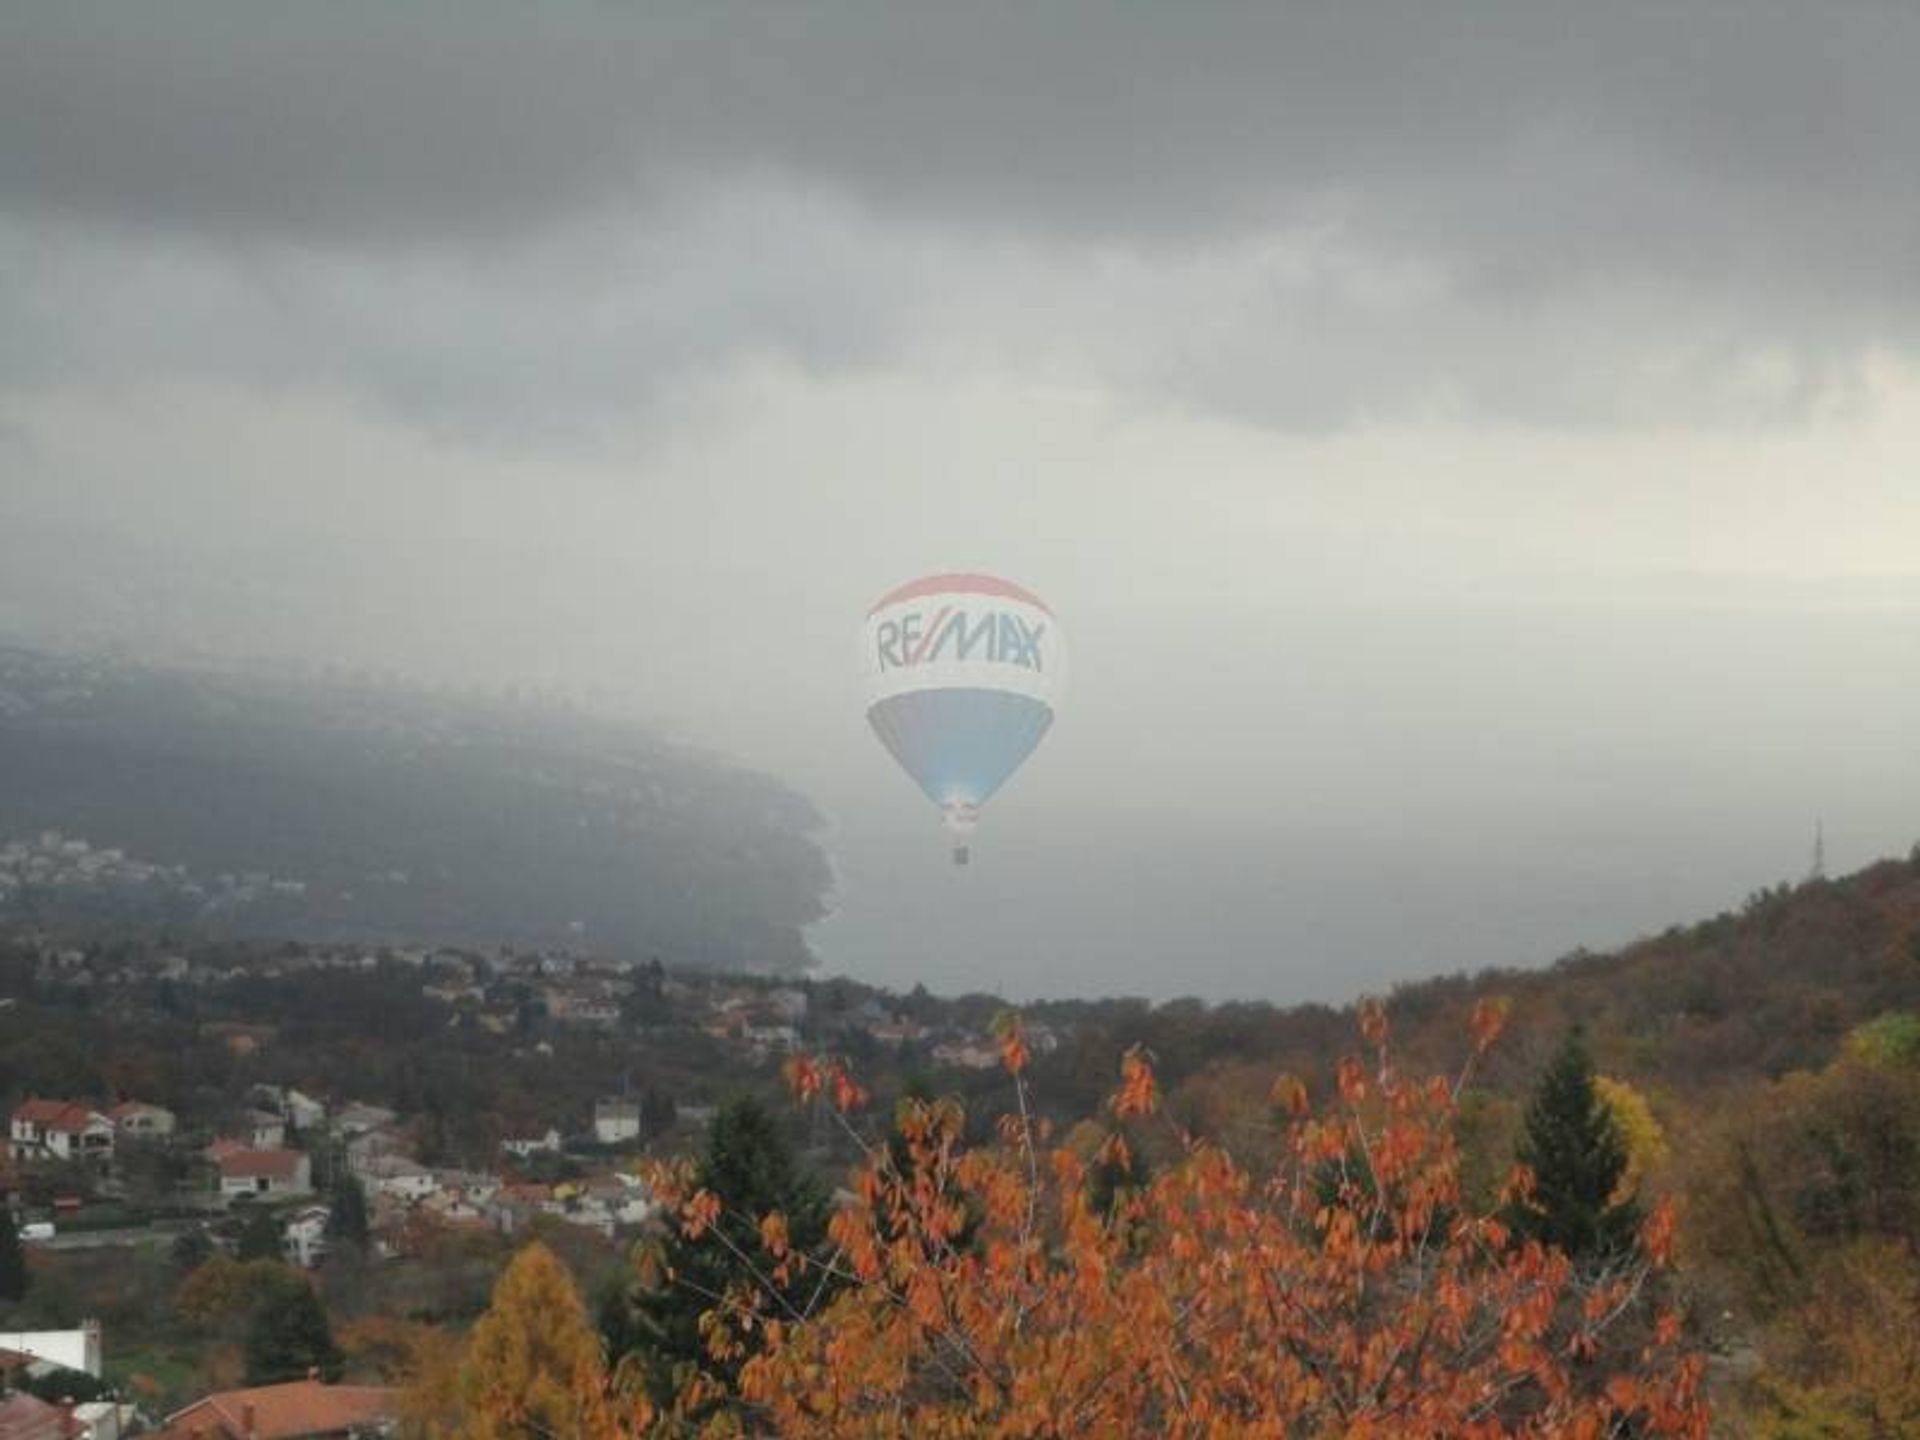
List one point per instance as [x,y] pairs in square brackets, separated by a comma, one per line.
[1303,217]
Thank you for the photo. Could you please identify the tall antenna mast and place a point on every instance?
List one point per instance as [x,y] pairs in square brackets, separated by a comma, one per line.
[1819,870]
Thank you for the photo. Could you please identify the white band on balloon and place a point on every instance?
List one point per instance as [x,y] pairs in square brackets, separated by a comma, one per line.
[963,640]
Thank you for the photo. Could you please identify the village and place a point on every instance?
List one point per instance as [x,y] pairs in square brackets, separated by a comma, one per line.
[266,1159]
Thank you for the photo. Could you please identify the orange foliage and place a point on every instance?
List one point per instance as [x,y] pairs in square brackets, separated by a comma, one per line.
[1350,1291]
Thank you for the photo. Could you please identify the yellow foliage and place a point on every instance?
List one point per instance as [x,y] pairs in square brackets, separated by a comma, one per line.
[533,1365]
[1645,1141]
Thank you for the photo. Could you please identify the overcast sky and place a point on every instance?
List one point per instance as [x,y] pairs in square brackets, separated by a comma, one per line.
[1475,450]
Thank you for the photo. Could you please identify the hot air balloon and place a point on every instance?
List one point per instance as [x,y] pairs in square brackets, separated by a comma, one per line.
[963,673]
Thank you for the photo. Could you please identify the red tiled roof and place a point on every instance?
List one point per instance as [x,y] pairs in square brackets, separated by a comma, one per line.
[24,1417]
[252,1164]
[285,1412]
[67,1115]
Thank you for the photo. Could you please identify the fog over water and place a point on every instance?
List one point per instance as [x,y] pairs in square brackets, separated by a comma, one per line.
[1477,469]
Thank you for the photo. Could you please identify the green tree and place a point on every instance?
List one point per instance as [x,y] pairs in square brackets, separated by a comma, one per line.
[191,1250]
[289,1336]
[347,1211]
[749,1168]
[14,1277]
[260,1237]
[1575,1151]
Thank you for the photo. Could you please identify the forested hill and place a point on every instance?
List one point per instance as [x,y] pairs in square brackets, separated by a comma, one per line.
[1772,987]
[248,804]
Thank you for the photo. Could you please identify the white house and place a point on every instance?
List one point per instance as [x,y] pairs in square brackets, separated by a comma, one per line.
[358,1119]
[135,1120]
[59,1349]
[304,1241]
[303,1112]
[265,1172]
[398,1176]
[616,1121]
[60,1130]
[264,1131]
[526,1149]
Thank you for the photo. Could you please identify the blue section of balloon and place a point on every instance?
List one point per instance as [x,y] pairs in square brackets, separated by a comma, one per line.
[959,744]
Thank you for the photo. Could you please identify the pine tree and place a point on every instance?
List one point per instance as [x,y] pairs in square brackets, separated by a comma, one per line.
[347,1211]
[748,1166]
[14,1276]
[1577,1157]
[533,1357]
[289,1337]
[260,1237]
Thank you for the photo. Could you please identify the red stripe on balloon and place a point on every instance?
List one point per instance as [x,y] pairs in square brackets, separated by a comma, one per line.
[959,584]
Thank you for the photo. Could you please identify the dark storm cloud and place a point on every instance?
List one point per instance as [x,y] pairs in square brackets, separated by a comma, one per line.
[1654,198]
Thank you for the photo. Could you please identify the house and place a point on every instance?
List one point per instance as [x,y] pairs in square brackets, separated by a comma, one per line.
[371,1145]
[58,1349]
[971,1053]
[398,1176]
[136,1120]
[526,1149]
[265,1172]
[771,1037]
[104,1420]
[303,1112]
[616,1121]
[358,1119]
[60,1130]
[298,1410]
[264,1131]
[304,1241]
[300,1111]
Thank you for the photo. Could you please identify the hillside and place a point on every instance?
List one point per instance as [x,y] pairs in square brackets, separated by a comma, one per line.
[246,805]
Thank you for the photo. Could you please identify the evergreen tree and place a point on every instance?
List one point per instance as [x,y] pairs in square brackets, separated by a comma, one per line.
[347,1211]
[748,1166]
[1577,1156]
[14,1278]
[289,1336]
[192,1250]
[527,1355]
[260,1238]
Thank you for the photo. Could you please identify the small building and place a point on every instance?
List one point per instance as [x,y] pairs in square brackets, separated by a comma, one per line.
[137,1120]
[265,1173]
[303,1112]
[78,1349]
[60,1130]
[358,1119]
[264,1130]
[400,1176]
[304,1241]
[299,1410]
[528,1147]
[615,1122]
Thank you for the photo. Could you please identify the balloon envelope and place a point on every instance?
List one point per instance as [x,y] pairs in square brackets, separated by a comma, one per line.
[963,673]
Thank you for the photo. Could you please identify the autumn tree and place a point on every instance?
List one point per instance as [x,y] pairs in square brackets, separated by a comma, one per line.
[1348,1290]
[533,1368]
[14,1277]
[1576,1157]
